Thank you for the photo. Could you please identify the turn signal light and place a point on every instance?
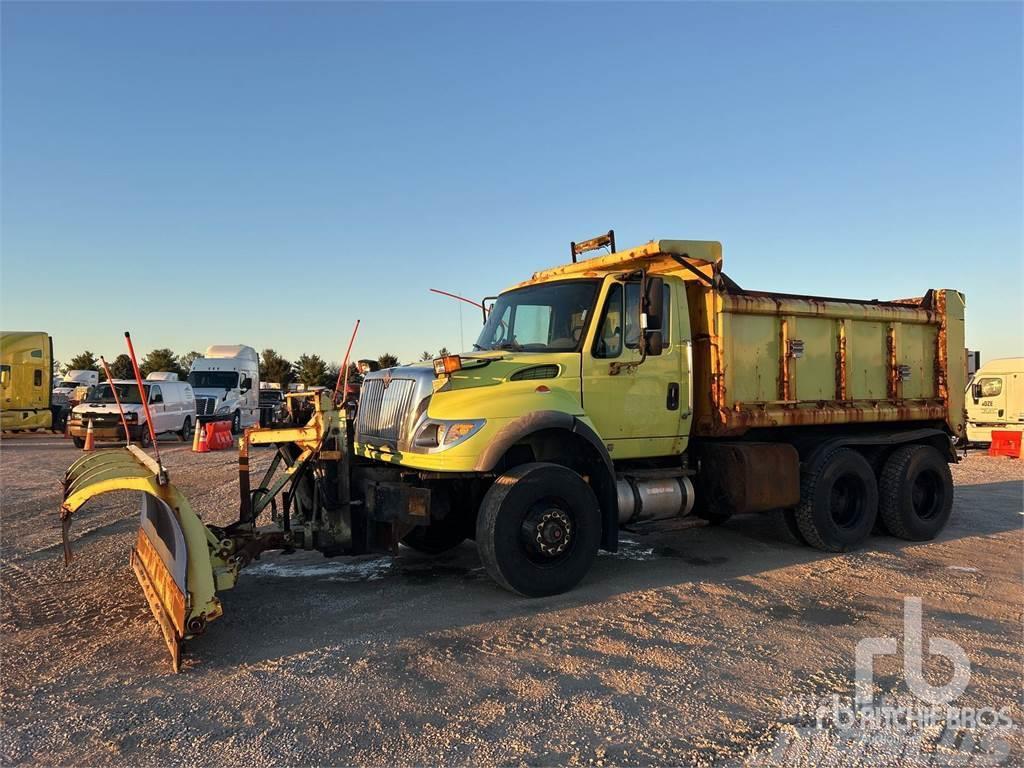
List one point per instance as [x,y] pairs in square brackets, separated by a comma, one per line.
[443,366]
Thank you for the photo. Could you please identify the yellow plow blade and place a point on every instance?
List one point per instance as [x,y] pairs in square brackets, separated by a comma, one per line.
[176,559]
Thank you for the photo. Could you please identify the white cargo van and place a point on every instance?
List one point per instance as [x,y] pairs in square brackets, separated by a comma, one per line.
[226,381]
[171,404]
[995,399]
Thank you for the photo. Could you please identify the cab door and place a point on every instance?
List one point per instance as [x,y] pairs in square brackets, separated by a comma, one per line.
[990,397]
[639,409]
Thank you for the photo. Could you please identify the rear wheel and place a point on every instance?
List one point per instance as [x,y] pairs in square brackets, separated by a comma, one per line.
[185,433]
[838,502]
[538,529]
[915,493]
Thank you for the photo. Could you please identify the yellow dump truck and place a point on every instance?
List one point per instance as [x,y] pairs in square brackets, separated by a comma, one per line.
[610,392]
[26,380]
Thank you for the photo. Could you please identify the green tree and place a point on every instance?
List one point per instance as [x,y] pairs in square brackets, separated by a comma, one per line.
[310,369]
[426,356]
[187,359]
[330,376]
[85,361]
[387,360]
[275,369]
[160,360]
[121,368]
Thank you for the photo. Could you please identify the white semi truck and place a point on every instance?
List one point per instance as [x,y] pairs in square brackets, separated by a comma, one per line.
[226,382]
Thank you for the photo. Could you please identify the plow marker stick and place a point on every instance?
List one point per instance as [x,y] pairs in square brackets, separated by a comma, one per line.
[110,380]
[142,397]
[344,366]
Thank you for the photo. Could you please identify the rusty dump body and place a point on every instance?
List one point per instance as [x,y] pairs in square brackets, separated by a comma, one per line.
[765,360]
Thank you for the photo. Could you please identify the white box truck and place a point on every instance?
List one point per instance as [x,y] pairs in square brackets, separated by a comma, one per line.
[226,382]
[995,399]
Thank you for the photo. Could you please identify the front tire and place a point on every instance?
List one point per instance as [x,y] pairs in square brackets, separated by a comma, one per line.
[915,493]
[838,502]
[144,441]
[538,529]
[185,433]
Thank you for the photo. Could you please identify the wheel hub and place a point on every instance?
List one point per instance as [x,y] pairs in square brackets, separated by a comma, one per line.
[553,532]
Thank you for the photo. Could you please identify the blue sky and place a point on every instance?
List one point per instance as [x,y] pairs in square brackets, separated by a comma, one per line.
[266,173]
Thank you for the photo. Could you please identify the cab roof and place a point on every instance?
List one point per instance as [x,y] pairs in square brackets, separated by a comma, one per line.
[657,257]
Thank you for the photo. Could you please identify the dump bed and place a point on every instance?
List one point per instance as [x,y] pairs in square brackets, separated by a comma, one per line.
[776,360]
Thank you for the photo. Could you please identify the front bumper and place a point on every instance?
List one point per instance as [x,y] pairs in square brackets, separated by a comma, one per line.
[104,431]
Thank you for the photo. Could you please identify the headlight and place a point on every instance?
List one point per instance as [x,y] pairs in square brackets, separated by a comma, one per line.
[222,410]
[131,416]
[445,434]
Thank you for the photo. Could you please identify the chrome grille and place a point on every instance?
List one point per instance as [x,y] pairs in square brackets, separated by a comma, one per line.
[204,406]
[384,410]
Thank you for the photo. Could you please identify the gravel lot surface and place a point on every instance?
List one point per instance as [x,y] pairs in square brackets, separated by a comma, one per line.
[690,646]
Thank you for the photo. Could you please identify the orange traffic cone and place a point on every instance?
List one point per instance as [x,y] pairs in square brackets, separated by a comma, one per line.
[203,446]
[195,438]
[90,441]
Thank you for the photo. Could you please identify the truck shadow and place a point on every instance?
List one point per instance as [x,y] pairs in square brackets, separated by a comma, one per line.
[286,605]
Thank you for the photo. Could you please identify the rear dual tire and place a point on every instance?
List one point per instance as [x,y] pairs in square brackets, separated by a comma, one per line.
[841,500]
[915,493]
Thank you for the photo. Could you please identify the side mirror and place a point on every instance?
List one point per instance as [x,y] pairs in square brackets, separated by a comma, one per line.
[246,384]
[156,398]
[976,392]
[652,315]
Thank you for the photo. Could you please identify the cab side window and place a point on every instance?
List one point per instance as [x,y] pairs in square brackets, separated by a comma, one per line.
[608,342]
[37,377]
[155,396]
[990,387]
[5,375]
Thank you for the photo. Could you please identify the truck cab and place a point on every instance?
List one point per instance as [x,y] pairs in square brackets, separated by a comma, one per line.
[226,382]
[26,380]
[995,399]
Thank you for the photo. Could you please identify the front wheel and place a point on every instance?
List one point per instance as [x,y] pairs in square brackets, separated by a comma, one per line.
[145,440]
[915,493]
[538,529]
[185,433]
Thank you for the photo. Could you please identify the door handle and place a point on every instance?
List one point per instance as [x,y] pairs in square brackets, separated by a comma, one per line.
[672,400]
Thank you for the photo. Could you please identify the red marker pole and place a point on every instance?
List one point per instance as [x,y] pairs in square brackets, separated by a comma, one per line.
[124,421]
[142,394]
[344,366]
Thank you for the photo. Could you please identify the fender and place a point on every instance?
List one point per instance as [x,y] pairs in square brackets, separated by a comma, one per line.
[926,435]
[536,421]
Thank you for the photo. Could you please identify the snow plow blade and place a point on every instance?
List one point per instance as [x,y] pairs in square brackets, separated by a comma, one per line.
[178,561]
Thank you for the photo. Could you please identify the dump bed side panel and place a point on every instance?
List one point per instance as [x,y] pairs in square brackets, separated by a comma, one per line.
[772,360]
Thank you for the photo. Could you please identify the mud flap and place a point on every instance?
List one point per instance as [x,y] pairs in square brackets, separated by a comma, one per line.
[175,557]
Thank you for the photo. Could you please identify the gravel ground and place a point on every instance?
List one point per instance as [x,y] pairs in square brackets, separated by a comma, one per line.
[697,645]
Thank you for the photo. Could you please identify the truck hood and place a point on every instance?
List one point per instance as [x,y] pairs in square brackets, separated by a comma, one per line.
[218,393]
[485,369]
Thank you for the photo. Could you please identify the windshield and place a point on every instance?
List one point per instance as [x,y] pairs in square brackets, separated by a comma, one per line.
[213,379]
[540,318]
[128,393]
